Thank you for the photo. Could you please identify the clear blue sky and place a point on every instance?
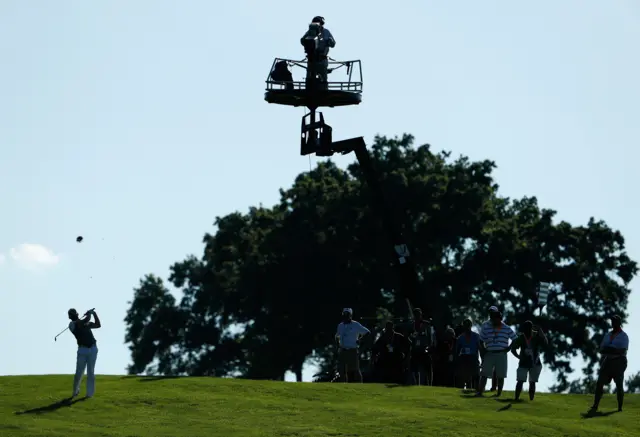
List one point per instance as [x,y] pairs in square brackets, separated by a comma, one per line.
[135,123]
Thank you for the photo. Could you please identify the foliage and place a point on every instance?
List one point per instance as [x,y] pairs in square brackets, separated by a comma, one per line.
[633,383]
[265,295]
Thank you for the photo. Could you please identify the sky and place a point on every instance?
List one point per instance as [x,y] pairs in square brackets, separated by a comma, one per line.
[135,124]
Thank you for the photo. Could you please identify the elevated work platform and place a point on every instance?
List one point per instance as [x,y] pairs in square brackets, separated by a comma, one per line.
[287,84]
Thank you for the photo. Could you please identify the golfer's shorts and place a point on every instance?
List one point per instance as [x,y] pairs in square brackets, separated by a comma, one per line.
[497,361]
[533,373]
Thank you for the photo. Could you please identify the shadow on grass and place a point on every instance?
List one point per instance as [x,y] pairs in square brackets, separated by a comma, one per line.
[505,408]
[509,401]
[472,396]
[396,385]
[157,378]
[67,402]
[592,414]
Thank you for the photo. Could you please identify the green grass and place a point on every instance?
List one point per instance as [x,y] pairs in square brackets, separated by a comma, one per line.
[133,406]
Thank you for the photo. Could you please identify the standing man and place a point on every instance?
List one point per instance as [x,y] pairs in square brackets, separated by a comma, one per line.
[530,366]
[421,334]
[317,41]
[392,353]
[87,349]
[348,338]
[445,359]
[468,353]
[495,336]
[613,363]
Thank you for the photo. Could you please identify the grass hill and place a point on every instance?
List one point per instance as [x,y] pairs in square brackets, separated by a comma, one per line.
[136,406]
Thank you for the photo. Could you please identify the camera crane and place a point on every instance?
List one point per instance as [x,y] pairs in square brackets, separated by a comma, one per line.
[317,91]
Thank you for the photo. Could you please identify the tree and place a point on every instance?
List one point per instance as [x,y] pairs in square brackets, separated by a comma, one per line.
[633,383]
[264,296]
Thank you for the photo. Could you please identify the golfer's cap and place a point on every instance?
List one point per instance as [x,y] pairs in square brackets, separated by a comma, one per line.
[494,309]
[616,318]
[72,311]
[347,310]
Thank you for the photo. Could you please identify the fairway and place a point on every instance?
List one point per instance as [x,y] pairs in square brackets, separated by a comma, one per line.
[136,406]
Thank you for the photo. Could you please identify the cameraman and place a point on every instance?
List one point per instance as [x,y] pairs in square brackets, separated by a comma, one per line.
[320,55]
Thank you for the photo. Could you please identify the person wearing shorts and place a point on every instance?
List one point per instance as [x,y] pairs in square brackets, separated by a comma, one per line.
[495,336]
[348,337]
[613,364]
[527,349]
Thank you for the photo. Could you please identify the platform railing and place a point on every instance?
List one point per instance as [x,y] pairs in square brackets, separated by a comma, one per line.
[355,87]
[350,85]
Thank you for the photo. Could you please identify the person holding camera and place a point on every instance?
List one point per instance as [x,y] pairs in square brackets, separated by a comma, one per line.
[316,42]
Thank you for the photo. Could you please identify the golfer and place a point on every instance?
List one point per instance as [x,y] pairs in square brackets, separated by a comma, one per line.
[87,349]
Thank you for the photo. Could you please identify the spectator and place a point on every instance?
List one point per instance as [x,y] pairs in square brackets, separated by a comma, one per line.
[530,366]
[495,336]
[613,363]
[468,353]
[444,366]
[421,335]
[348,337]
[392,352]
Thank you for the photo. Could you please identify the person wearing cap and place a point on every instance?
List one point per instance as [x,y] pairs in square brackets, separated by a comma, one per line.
[422,341]
[87,349]
[325,42]
[526,348]
[495,336]
[348,338]
[613,363]
[468,356]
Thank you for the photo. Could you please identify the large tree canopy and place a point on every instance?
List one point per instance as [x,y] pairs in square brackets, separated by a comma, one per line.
[264,296]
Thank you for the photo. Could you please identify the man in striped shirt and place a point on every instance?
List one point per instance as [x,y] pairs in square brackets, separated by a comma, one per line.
[495,336]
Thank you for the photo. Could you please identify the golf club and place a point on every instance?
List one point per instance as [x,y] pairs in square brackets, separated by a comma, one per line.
[63,331]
